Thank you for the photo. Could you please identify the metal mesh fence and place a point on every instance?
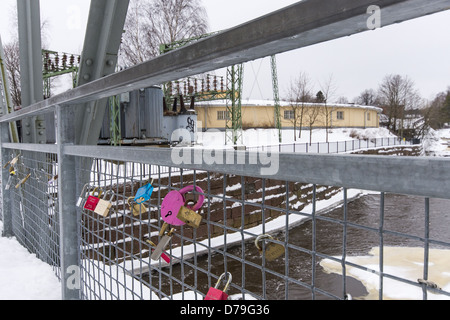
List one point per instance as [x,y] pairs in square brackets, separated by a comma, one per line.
[116,249]
[337,146]
[35,222]
[273,239]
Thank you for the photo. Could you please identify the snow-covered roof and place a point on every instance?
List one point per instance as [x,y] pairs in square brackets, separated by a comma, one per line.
[269,103]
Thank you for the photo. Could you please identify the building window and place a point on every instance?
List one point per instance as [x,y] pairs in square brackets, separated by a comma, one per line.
[368,116]
[340,115]
[289,114]
[223,115]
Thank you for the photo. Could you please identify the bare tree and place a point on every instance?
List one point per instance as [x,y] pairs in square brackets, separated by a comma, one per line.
[437,113]
[12,60]
[299,94]
[328,88]
[311,117]
[367,98]
[151,23]
[398,94]
[342,100]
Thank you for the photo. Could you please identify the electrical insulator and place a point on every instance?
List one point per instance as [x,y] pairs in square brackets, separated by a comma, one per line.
[57,62]
[72,60]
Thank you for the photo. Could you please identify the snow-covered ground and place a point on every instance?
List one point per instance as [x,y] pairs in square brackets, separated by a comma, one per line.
[24,277]
[436,143]
[268,137]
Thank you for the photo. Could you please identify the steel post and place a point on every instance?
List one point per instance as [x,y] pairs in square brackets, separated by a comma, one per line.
[6,212]
[68,217]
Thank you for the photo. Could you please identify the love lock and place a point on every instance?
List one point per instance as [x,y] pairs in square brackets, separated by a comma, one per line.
[144,193]
[164,256]
[162,245]
[217,294]
[93,200]
[175,211]
[272,250]
[104,205]
[82,197]
[137,209]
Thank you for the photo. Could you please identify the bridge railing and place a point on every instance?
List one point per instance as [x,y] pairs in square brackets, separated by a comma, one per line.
[247,195]
[107,257]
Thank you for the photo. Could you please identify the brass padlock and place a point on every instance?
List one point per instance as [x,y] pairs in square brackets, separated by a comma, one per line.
[135,208]
[104,206]
[12,162]
[21,182]
[189,216]
[272,250]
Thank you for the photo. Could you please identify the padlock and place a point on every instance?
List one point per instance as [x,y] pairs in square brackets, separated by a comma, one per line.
[21,182]
[162,245]
[10,180]
[164,256]
[104,206]
[82,196]
[92,201]
[12,162]
[173,208]
[272,250]
[188,216]
[215,293]
[136,209]
[144,193]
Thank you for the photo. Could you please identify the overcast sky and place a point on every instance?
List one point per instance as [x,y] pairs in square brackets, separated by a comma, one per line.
[418,48]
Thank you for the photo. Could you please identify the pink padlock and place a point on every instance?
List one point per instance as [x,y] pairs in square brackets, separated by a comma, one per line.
[174,201]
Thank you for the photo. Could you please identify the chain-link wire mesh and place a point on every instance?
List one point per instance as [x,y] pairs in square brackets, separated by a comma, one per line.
[115,255]
[35,222]
[319,234]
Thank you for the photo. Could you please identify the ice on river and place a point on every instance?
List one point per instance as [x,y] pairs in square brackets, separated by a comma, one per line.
[401,262]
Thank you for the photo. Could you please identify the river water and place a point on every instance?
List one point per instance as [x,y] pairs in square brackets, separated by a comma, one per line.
[402,214]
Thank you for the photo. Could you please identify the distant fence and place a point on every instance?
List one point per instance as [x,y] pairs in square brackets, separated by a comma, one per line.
[336,146]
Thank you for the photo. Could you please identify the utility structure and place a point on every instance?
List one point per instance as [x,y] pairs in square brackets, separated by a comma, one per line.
[34,129]
[233,134]
[56,64]
[276,96]
[232,93]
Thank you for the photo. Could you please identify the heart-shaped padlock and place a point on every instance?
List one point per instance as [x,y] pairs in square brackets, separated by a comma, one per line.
[175,201]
